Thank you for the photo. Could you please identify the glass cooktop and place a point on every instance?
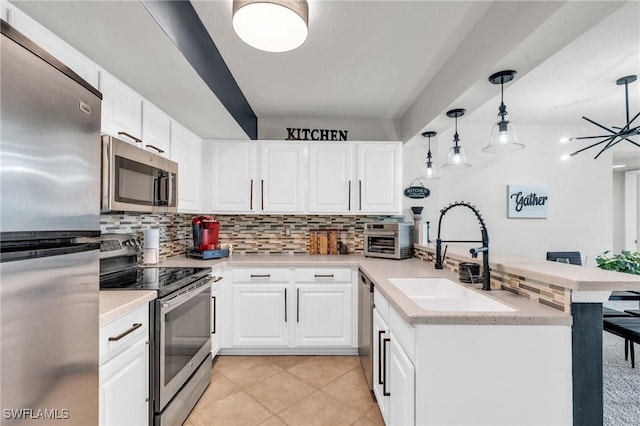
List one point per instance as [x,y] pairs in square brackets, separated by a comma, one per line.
[163,280]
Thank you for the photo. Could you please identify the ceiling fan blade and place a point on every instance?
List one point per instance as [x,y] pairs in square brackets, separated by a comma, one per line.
[592,145]
[598,124]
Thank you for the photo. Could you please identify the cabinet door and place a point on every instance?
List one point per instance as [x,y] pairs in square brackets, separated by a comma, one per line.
[282,177]
[216,293]
[233,166]
[54,45]
[379,177]
[380,332]
[124,386]
[121,108]
[156,130]
[260,315]
[330,178]
[401,386]
[186,150]
[323,315]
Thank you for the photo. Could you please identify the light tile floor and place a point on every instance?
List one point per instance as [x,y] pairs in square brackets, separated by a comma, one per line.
[286,390]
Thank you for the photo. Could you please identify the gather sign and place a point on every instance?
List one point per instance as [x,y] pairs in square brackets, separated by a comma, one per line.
[527,201]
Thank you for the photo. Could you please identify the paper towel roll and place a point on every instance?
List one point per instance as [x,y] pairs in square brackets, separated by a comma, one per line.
[151,251]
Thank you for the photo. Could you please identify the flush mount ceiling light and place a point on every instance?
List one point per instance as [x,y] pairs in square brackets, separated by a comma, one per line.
[456,159]
[613,137]
[430,168]
[271,25]
[503,137]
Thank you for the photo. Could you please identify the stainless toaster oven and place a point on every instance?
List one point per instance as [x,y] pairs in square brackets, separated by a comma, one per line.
[390,240]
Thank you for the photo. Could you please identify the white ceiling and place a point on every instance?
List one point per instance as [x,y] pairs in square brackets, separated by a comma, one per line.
[403,60]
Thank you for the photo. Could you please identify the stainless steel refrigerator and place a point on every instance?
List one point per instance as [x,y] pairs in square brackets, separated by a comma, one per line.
[49,269]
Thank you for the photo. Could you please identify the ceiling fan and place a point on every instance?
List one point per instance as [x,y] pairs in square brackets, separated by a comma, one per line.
[615,134]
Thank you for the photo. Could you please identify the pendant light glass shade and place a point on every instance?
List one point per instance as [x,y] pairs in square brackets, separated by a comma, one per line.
[271,25]
[503,137]
[456,159]
[430,171]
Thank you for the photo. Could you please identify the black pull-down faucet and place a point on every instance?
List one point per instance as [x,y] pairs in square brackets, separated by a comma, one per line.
[486,283]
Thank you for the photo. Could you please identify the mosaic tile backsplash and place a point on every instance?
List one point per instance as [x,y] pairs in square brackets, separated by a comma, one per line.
[247,234]
[545,293]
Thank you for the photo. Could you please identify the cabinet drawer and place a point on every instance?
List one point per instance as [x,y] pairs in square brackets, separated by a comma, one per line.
[323,275]
[261,275]
[403,332]
[126,330]
[381,304]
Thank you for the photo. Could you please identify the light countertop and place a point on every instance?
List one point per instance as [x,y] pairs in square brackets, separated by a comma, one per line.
[526,312]
[572,277]
[116,303]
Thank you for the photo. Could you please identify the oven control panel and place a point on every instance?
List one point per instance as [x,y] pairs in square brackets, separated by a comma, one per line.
[112,245]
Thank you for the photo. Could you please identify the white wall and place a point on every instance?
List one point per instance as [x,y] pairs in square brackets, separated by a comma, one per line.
[580,192]
[618,211]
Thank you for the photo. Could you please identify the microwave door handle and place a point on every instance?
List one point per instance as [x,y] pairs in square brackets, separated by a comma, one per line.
[156,191]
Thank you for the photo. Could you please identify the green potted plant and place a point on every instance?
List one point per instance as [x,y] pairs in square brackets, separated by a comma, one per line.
[626,261]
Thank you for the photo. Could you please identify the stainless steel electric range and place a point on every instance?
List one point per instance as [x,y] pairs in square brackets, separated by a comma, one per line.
[180,336]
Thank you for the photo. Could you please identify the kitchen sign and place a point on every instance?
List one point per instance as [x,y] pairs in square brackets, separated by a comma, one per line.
[417,191]
[296,134]
[527,201]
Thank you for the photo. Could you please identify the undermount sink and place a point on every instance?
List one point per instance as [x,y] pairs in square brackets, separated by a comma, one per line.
[441,294]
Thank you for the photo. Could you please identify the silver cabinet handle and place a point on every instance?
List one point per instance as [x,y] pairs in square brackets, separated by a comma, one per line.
[359,195]
[133,328]
[323,275]
[260,275]
[155,147]
[216,279]
[349,198]
[262,194]
[297,305]
[138,140]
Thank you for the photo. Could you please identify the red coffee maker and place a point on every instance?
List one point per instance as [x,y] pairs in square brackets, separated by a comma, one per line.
[206,230]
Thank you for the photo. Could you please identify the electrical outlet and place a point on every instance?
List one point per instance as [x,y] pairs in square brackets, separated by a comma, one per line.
[286,230]
[227,246]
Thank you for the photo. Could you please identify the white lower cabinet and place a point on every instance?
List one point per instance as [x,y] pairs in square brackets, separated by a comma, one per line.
[124,370]
[260,316]
[393,376]
[293,308]
[323,315]
[380,368]
[401,384]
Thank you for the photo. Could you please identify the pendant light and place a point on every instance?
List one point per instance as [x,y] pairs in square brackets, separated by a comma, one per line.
[430,168]
[456,159]
[271,25]
[503,137]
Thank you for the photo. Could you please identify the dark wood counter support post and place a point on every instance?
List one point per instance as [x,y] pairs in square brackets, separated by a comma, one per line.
[586,357]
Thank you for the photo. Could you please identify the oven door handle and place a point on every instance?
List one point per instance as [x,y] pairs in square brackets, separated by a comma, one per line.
[190,292]
[381,234]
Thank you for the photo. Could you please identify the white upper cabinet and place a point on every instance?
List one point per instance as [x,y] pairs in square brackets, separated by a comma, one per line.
[379,173]
[233,169]
[54,45]
[121,109]
[186,150]
[283,177]
[330,177]
[156,129]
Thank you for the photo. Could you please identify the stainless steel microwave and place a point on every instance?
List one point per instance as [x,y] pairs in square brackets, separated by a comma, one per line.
[136,180]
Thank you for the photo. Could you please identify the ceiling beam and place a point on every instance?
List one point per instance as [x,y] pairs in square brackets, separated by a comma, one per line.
[181,23]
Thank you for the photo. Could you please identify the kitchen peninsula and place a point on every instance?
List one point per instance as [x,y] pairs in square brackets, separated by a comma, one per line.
[556,300]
